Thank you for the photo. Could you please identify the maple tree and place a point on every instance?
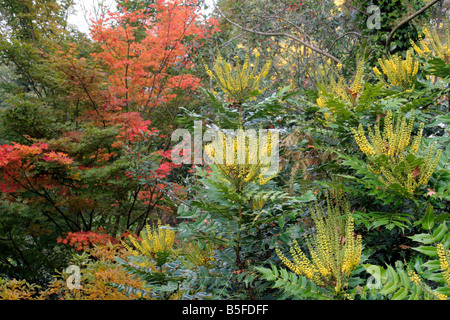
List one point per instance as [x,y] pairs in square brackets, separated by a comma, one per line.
[147,73]
[91,153]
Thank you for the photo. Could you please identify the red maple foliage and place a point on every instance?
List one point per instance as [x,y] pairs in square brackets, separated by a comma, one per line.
[17,161]
[111,93]
[146,72]
[82,240]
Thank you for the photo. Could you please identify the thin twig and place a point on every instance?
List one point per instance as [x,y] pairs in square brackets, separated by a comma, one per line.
[344,35]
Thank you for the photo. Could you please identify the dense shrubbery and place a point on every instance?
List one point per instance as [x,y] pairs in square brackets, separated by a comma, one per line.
[358,208]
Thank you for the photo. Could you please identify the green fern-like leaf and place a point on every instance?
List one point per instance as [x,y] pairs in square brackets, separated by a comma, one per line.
[396,284]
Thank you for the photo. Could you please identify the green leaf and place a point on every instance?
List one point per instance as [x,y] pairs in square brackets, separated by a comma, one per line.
[428,219]
[306,197]
[389,288]
[432,265]
[267,273]
[438,67]
[400,294]
[393,274]
[427,250]
[440,232]
[446,241]
[281,221]
[404,278]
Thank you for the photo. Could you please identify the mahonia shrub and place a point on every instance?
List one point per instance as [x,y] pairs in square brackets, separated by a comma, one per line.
[346,93]
[243,159]
[334,249]
[167,267]
[229,210]
[433,45]
[155,244]
[399,72]
[434,245]
[199,254]
[239,83]
[401,161]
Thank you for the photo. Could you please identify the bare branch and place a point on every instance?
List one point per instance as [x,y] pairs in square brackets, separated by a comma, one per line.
[280,34]
[231,40]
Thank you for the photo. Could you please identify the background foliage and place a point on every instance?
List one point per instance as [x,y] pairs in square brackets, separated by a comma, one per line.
[87,179]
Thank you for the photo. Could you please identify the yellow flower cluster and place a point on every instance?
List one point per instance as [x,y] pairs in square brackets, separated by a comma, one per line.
[440,296]
[413,277]
[392,142]
[399,72]
[337,86]
[198,256]
[356,86]
[321,101]
[239,159]
[334,249]
[444,258]
[154,241]
[237,82]
[433,45]
[395,142]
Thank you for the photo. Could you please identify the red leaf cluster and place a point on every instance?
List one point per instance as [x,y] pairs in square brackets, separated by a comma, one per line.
[17,161]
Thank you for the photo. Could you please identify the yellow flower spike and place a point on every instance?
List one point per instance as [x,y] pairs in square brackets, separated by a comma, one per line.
[238,82]
[356,86]
[129,249]
[433,45]
[199,257]
[347,91]
[160,239]
[444,258]
[237,171]
[334,250]
[376,71]
[398,71]
[137,245]
[321,101]
[416,47]
[417,139]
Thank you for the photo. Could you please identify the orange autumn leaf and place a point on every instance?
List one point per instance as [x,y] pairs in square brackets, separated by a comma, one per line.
[58,157]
